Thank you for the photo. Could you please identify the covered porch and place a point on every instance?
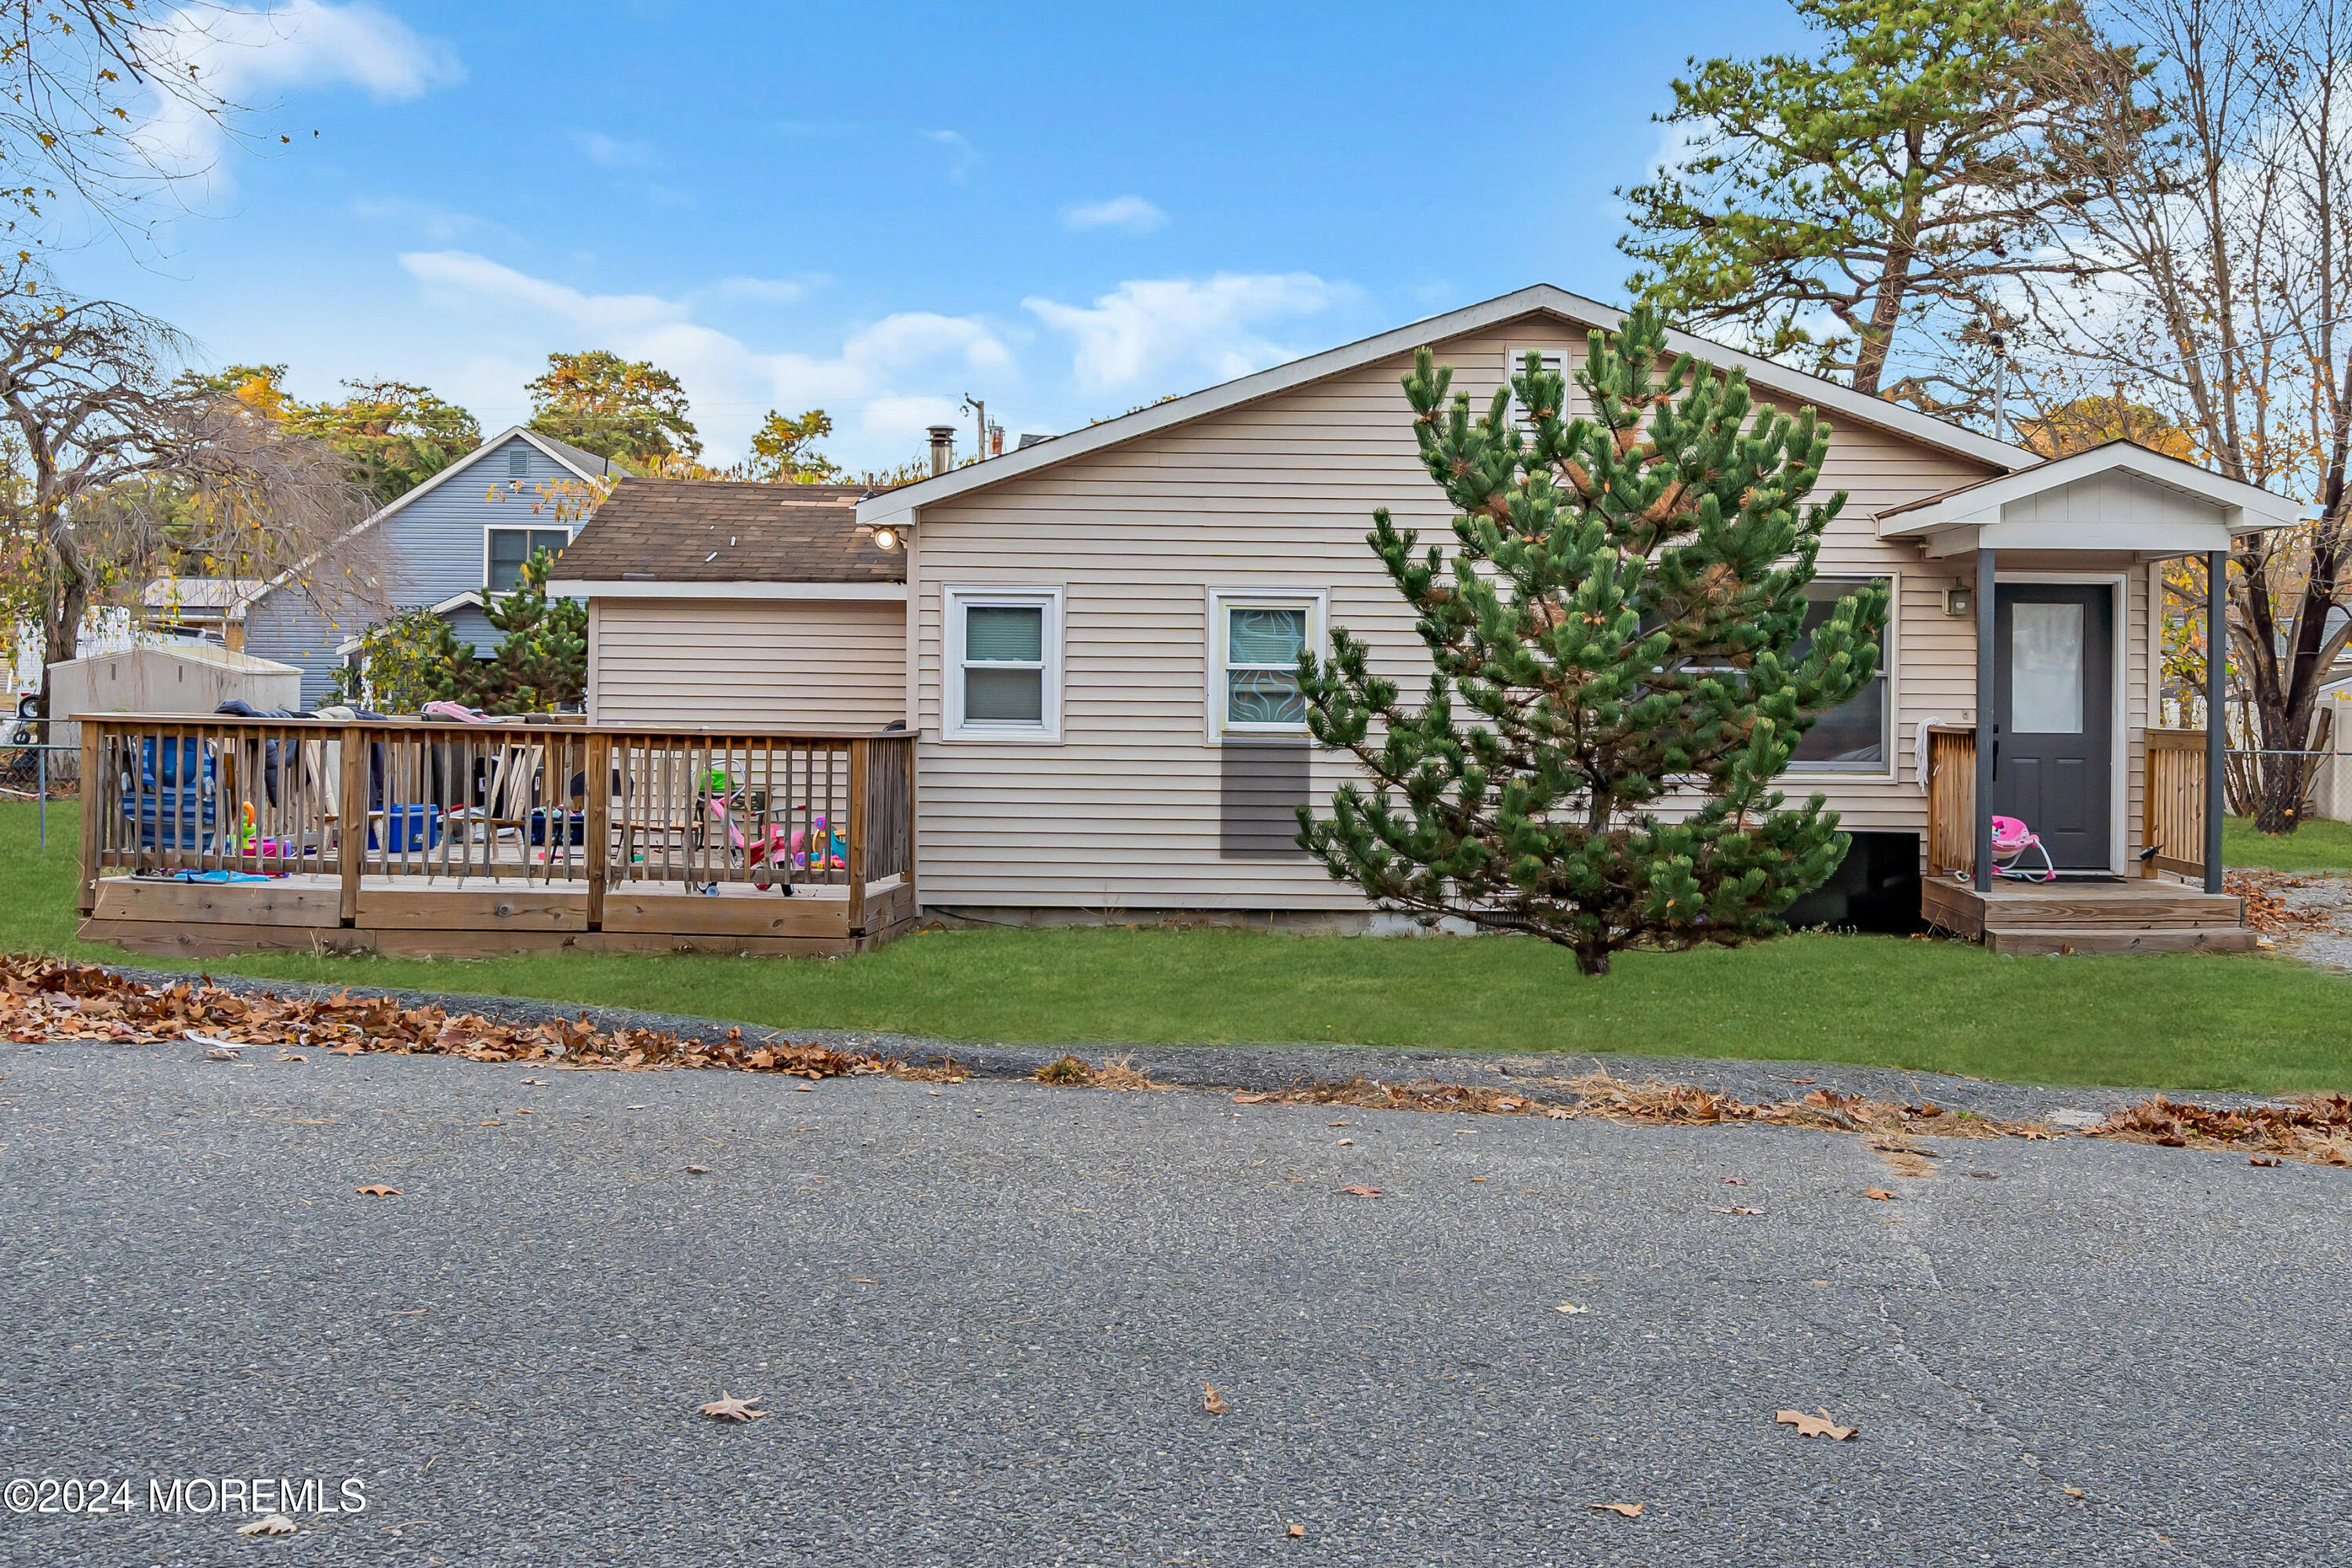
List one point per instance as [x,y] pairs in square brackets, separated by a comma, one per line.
[2062,816]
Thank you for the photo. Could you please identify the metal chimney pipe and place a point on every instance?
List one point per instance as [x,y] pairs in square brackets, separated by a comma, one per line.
[943,448]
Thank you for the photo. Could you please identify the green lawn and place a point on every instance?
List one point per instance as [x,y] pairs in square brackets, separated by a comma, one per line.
[2319,845]
[2249,1022]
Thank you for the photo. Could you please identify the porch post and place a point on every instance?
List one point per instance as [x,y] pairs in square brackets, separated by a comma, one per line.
[2216,674]
[1985,740]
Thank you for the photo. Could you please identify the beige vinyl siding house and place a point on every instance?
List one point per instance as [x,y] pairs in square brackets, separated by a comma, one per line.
[1129,805]
[778,664]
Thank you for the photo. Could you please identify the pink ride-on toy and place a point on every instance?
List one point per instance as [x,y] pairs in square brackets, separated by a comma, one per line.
[2010,841]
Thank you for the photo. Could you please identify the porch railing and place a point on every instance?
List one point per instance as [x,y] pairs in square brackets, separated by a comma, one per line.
[417,803]
[2173,796]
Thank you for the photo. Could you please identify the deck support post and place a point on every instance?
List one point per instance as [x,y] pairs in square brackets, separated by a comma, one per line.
[2216,674]
[94,823]
[1987,740]
[596,821]
[351,822]
[860,830]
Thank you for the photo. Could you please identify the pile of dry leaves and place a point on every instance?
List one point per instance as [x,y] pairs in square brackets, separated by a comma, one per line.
[2266,910]
[2316,1128]
[46,999]
[1672,1104]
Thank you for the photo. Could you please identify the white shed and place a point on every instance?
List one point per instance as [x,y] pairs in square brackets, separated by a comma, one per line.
[179,677]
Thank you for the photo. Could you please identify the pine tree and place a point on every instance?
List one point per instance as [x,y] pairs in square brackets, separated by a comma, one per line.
[1621,620]
[542,663]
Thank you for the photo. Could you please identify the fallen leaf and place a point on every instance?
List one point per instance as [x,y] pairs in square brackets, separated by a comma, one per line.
[1477,1178]
[1571,1309]
[1334,1124]
[804,1089]
[1630,1509]
[1211,1401]
[291,1057]
[1362,1192]
[1559,1113]
[1815,1425]
[1297,1531]
[490,1124]
[348,1048]
[269,1524]
[2071,1491]
[726,1407]
[1734,1181]
[698,1170]
[1736,1209]
[1880,1193]
[1508,1103]
[377,1192]
[2261,1159]
[1252,1099]
[1345,1144]
[1803,1080]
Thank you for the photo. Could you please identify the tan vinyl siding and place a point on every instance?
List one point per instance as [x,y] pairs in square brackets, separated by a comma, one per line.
[781,664]
[1125,813]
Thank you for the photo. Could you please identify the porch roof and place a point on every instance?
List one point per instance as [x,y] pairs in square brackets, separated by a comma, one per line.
[2118,497]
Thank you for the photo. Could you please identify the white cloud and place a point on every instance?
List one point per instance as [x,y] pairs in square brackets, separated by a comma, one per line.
[883,382]
[766,291]
[246,56]
[1158,330]
[1130,215]
[611,153]
[961,155]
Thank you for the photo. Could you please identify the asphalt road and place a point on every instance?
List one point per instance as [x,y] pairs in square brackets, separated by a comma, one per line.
[982,1318]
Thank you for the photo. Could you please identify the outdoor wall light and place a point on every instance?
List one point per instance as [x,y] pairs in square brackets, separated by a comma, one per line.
[885,539]
[1959,602]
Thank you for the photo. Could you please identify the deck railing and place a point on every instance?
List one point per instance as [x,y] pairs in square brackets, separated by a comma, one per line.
[2174,800]
[423,802]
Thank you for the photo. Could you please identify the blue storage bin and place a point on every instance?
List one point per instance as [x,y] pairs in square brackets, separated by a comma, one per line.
[575,820]
[413,827]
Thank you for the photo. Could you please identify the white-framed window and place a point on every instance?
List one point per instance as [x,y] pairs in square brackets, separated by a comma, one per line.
[1003,664]
[504,550]
[1858,736]
[1515,361]
[1255,640]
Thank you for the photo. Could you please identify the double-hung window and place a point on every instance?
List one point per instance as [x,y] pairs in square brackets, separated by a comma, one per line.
[506,549]
[1857,736]
[1255,643]
[1005,664]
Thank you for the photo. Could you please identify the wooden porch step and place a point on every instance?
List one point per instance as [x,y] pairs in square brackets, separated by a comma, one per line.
[2177,939]
[2089,907]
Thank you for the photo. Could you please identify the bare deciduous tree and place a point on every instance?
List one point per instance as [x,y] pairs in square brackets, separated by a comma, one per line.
[122,468]
[2212,212]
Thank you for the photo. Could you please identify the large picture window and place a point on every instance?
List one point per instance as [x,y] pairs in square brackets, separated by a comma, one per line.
[1005,661]
[1255,643]
[1856,737]
[508,548]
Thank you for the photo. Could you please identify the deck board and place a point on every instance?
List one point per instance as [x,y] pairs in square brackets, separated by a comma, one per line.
[2085,915]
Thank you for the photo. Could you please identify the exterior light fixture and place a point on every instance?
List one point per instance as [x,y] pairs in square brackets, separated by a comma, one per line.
[1960,602]
[885,539]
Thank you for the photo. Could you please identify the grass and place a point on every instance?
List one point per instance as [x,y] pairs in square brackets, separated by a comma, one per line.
[2319,845]
[2254,1023]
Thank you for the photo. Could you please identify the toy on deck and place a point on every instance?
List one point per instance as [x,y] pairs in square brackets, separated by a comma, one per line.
[832,854]
[2010,841]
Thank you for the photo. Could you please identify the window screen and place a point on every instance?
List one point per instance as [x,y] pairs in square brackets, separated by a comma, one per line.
[1852,738]
[1262,648]
[1005,664]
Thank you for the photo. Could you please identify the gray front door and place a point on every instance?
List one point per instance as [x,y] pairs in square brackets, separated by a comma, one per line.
[2053,716]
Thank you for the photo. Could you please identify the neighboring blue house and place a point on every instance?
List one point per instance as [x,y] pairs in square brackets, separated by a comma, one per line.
[447,541]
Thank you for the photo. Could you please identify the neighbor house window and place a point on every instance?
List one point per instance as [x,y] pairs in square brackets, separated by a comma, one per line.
[518,461]
[1856,737]
[1255,643]
[510,547]
[1004,660]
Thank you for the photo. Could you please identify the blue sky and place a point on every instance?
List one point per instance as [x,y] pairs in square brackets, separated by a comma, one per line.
[1066,210]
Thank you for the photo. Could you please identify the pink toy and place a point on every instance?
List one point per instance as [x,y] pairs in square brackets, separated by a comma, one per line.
[770,851]
[2010,841]
[834,855]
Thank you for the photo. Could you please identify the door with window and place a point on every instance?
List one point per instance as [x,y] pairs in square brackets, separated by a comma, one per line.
[2053,716]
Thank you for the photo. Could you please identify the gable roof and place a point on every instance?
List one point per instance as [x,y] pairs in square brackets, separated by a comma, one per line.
[2246,508]
[1542,298]
[718,531]
[583,466]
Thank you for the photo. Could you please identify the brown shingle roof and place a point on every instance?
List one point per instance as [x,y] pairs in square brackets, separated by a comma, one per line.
[715,530]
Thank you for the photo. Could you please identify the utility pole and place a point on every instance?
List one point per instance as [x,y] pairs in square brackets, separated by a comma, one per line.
[979,412]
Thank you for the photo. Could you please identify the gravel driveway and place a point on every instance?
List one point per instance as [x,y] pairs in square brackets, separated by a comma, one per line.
[981,1317]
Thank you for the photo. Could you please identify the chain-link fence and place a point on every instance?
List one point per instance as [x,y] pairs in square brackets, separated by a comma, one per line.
[41,774]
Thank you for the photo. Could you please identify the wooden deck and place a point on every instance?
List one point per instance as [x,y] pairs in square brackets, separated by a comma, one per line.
[415,839]
[2147,916]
